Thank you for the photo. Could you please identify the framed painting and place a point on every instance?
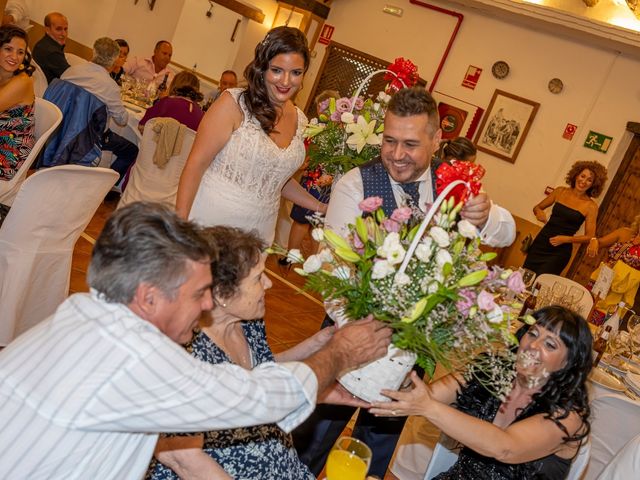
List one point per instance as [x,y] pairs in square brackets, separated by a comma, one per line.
[505,125]
[457,117]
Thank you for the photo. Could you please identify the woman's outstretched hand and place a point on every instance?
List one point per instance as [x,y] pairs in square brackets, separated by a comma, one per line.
[559,240]
[412,402]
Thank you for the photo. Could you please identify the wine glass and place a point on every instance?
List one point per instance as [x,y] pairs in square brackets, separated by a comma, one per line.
[349,459]
[557,292]
[544,296]
[633,326]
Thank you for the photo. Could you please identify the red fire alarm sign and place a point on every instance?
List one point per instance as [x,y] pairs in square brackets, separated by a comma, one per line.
[325,34]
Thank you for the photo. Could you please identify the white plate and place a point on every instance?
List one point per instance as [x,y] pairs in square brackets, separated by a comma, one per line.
[633,380]
[606,380]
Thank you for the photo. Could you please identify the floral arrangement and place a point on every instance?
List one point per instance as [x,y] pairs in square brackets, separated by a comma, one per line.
[443,305]
[348,131]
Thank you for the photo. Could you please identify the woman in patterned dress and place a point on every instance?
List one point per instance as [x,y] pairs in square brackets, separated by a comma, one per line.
[249,144]
[235,332]
[16,101]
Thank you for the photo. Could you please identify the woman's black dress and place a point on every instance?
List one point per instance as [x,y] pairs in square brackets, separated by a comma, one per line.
[475,400]
[543,257]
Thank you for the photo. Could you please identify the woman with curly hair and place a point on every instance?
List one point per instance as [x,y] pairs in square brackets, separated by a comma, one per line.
[17,124]
[551,250]
[537,430]
[249,144]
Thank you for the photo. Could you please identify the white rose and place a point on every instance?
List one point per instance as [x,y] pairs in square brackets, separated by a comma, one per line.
[390,242]
[402,279]
[440,235]
[381,269]
[312,264]
[376,107]
[443,257]
[326,255]
[295,256]
[432,287]
[347,117]
[423,252]
[383,97]
[317,234]
[467,229]
[342,272]
[395,254]
[496,315]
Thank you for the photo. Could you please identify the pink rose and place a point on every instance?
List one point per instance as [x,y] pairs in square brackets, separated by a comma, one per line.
[343,105]
[335,116]
[401,214]
[390,225]
[359,103]
[485,301]
[370,204]
[515,283]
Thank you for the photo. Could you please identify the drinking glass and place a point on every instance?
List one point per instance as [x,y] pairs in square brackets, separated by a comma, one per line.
[558,290]
[633,326]
[349,459]
[543,297]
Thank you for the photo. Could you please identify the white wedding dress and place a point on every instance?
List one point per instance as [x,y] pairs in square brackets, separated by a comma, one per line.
[241,188]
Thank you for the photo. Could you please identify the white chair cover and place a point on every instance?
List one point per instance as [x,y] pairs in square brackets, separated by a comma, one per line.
[415,448]
[614,421]
[37,238]
[148,182]
[47,118]
[586,302]
[626,464]
[40,83]
[446,453]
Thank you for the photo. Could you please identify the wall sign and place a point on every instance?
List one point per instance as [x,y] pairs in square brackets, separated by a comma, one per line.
[569,131]
[325,34]
[598,141]
[471,77]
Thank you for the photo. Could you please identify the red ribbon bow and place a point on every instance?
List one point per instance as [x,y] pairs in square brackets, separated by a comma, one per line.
[468,172]
[404,70]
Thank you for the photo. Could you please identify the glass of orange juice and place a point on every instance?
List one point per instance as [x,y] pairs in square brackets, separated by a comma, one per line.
[349,459]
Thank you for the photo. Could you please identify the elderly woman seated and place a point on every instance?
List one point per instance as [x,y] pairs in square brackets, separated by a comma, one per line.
[235,332]
[537,430]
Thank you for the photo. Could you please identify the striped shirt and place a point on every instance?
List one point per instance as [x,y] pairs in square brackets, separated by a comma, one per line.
[84,394]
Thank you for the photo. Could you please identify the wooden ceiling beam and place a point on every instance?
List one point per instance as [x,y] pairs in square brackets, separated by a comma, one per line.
[243,9]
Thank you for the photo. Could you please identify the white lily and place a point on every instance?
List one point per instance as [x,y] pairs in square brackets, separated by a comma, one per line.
[362,133]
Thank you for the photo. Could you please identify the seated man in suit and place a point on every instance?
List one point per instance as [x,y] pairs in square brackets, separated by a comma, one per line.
[49,51]
[94,77]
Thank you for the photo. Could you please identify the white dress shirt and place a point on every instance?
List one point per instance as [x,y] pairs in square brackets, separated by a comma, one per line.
[96,80]
[19,11]
[144,69]
[84,394]
[348,192]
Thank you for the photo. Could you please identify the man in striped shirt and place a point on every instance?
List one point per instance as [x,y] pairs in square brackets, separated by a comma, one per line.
[84,393]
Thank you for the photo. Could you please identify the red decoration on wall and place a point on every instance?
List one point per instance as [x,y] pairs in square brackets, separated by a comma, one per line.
[569,131]
[325,34]
[472,76]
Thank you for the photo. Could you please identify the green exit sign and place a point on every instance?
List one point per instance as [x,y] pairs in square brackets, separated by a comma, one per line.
[598,141]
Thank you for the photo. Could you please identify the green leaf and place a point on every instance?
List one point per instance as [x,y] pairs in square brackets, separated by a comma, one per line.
[361,228]
[446,270]
[348,254]
[417,310]
[412,233]
[473,278]
[335,240]
[488,256]
[380,215]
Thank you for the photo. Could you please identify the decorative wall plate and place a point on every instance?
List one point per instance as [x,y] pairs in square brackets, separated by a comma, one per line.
[555,85]
[500,69]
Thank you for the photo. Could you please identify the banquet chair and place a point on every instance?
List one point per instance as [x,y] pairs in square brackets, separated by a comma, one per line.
[73,59]
[586,302]
[47,118]
[626,464]
[446,453]
[615,420]
[147,181]
[37,238]
[40,82]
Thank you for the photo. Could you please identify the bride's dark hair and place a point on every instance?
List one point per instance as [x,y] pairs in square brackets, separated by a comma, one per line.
[278,40]
[565,390]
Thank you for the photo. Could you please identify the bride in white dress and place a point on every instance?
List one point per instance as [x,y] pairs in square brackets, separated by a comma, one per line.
[249,144]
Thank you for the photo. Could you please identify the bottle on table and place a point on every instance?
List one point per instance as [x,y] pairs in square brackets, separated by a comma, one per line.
[163,85]
[600,345]
[614,319]
[529,304]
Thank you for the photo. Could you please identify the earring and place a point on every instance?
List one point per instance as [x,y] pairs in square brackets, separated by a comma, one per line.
[21,67]
[224,305]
